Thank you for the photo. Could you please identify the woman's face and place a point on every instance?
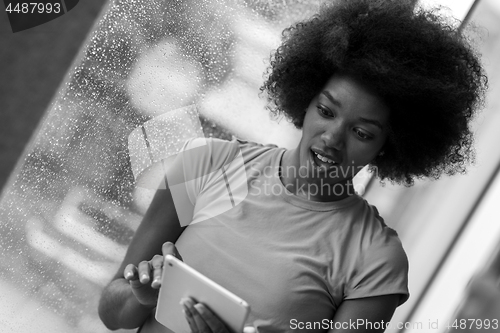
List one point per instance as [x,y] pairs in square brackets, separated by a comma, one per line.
[344,129]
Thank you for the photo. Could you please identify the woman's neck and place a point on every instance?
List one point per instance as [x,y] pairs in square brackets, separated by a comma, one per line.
[315,188]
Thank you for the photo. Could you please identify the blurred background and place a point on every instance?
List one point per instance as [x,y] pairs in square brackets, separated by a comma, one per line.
[72,91]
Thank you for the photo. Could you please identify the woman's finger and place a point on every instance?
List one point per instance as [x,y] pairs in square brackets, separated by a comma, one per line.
[210,319]
[144,271]
[157,265]
[188,313]
[130,273]
[169,248]
[199,321]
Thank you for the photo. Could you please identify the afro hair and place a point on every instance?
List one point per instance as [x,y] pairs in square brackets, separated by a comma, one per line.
[418,61]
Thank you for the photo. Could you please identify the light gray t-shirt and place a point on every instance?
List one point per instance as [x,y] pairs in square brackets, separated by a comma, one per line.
[293,260]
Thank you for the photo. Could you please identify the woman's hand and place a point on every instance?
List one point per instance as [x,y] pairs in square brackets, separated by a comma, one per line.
[145,279]
[201,319]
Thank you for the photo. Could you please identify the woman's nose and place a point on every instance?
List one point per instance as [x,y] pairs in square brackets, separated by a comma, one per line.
[334,137]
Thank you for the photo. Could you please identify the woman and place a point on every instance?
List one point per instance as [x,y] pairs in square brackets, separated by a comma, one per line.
[370,83]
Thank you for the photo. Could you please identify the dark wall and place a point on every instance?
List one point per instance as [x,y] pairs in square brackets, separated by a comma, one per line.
[33,64]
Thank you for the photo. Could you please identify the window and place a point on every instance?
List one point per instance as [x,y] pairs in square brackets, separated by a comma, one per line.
[73,208]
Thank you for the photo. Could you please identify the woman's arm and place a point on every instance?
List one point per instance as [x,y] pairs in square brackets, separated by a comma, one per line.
[119,306]
[376,310]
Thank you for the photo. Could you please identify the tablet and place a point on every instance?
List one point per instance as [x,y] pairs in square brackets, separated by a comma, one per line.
[180,280]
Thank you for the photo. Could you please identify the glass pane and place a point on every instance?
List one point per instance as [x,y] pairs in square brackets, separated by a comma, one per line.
[72,207]
[429,215]
[451,290]
[470,255]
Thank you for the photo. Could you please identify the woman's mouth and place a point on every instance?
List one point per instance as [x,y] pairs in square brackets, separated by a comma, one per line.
[322,161]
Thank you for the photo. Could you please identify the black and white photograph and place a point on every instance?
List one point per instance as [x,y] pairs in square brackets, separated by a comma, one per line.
[250,166]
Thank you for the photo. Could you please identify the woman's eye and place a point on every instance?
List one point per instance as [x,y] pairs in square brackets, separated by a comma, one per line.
[362,135]
[324,111]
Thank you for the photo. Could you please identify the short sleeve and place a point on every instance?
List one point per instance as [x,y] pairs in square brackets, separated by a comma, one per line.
[381,270]
[203,165]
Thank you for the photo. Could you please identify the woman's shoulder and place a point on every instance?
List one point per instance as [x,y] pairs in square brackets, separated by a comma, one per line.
[235,142]
[219,152]
[372,227]
[249,149]
[254,150]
